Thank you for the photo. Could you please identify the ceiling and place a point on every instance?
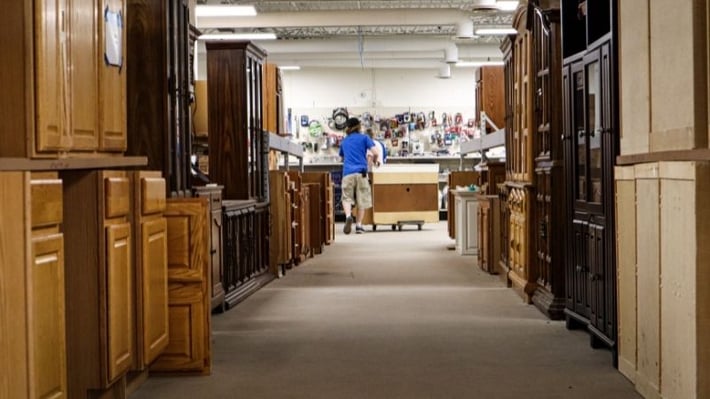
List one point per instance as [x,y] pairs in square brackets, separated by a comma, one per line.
[368,34]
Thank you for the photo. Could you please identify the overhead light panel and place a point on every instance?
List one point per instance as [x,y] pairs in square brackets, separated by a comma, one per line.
[290,68]
[239,36]
[224,10]
[496,31]
[507,5]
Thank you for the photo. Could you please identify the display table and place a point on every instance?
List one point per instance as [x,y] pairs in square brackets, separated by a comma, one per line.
[466,222]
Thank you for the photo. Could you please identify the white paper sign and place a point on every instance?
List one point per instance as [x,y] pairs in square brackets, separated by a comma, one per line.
[113,32]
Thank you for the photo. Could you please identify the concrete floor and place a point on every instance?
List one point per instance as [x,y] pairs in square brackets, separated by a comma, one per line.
[394,315]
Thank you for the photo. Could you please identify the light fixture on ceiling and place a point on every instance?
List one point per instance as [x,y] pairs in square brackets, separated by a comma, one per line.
[224,10]
[496,31]
[290,68]
[464,29]
[451,53]
[444,71]
[484,4]
[473,64]
[239,36]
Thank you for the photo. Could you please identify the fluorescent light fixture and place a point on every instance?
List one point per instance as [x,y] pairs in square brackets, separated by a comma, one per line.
[290,68]
[496,31]
[240,36]
[473,64]
[224,11]
[505,5]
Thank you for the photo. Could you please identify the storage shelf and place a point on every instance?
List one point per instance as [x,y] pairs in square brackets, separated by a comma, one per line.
[71,163]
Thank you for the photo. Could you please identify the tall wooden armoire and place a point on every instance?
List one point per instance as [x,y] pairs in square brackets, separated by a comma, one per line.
[591,145]
[535,189]
[489,95]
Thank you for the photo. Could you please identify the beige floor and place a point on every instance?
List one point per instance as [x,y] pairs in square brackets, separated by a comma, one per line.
[394,315]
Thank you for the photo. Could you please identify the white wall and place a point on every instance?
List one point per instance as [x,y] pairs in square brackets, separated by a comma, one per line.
[385,92]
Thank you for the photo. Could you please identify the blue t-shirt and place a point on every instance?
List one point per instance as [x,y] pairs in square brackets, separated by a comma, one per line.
[353,149]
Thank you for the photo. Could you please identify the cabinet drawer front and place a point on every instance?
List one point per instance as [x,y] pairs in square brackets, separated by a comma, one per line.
[152,195]
[119,294]
[46,202]
[117,196]
[47,326]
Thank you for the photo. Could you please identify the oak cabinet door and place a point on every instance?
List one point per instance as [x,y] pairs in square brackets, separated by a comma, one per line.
[46,321]
[83,78]
[119,293]
[155,288]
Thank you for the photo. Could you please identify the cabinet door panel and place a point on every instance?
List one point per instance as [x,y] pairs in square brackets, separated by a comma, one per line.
[50,39]
[155,288]
[119,287]
[112,92]
[186,349]
[84,58]
[46,318]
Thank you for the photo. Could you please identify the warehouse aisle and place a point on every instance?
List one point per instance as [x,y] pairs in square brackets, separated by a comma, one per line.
[394,315]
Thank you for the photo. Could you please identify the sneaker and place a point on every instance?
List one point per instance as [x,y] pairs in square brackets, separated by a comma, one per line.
[348,225]
[359,229]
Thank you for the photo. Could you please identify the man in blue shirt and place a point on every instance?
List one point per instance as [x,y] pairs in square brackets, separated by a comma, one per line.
[355,150]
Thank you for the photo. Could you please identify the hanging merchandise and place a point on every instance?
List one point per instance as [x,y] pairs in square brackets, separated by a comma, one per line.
[400,118]
[471,122]
[407,117]
[304,120]
[384,125]
[366,120]
[421,121]
[340,115]
[458,119]
[315,128]
[444,119]
[412,125]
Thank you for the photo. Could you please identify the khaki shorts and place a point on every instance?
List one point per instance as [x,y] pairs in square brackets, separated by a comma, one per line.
[356,190]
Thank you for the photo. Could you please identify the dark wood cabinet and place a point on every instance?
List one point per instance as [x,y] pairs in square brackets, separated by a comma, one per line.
[214,195]
[159,88]
[238,147]
[590,147]
[534,212]
[456,179]
[489,233]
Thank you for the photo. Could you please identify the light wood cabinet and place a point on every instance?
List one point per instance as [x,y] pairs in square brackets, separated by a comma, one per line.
[75,100]
[324,207]
[32,312]
[489,96]
[281,221]
[151,267]
[189,298]
[99,279]
[489,233]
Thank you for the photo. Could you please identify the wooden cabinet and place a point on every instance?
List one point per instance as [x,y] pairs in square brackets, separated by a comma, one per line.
[32,261]
[273,100]
[160,87]
[325,204]
[591,140]
[189,348]
[299,215]
[151,267]
[489,233]
[456,179]
[238,157]
[315,218]
[99,278]
[281,221]
[73,98]
[490,96]
[534,167]
[214,194]
[405,194]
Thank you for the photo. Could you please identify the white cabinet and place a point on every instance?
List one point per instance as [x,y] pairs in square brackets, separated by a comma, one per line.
[466,222]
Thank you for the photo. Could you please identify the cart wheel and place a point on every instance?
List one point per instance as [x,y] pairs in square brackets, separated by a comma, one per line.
[419,227]
[374,227]
[394,227]
[399,227]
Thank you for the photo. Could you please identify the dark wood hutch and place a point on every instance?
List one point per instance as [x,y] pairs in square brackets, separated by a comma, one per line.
[534,189]
[590,144]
